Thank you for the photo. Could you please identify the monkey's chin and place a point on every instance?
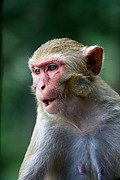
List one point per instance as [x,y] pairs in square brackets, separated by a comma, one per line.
[51,106]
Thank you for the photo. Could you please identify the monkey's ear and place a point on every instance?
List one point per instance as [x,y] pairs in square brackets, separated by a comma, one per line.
[93,56]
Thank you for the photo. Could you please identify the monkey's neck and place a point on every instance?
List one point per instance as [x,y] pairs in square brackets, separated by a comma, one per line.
[79,112]
[88,113]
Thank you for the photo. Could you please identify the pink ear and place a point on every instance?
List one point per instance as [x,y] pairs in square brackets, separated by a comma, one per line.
[94,59]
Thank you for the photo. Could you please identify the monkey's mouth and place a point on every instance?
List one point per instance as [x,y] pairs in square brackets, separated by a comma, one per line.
[48,102]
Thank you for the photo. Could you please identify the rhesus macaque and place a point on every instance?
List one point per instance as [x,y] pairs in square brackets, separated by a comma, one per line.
[77,132]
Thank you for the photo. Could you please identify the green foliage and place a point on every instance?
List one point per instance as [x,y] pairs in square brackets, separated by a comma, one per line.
[27,24]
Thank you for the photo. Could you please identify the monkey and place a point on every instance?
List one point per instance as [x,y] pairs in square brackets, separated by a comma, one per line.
[77,131]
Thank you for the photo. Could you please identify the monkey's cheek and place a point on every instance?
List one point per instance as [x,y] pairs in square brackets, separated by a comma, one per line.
[38,95]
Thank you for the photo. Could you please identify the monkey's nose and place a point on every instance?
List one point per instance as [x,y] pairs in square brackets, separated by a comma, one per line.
[43,87]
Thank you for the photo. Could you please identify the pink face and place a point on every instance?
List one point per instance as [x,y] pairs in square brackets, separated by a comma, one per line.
[46,75]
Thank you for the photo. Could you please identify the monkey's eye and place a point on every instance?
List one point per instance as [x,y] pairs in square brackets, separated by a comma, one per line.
[51,67]
[36,70]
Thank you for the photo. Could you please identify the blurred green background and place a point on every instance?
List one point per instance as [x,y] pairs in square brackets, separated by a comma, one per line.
[27,24]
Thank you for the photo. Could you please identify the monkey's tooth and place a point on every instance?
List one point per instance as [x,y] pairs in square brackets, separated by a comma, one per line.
[46,102]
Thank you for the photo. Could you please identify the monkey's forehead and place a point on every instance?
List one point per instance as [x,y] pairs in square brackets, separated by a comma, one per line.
[57,46]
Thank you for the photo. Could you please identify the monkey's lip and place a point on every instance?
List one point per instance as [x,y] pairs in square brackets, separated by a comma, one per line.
[48,102]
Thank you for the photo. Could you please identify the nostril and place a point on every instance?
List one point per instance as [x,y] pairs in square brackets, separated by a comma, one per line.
[43,87]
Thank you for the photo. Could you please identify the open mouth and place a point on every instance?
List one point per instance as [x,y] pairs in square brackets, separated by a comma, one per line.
[47,102]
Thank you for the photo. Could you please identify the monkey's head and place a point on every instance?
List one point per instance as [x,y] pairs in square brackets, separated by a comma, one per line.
[60,62]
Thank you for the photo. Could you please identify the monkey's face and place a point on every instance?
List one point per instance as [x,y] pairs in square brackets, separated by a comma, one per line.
[49,88]
[54,63]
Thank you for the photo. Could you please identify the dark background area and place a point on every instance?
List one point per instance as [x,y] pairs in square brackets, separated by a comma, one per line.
[26,24]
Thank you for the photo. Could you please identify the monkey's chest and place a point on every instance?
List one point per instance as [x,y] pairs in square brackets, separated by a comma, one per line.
[87,157]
